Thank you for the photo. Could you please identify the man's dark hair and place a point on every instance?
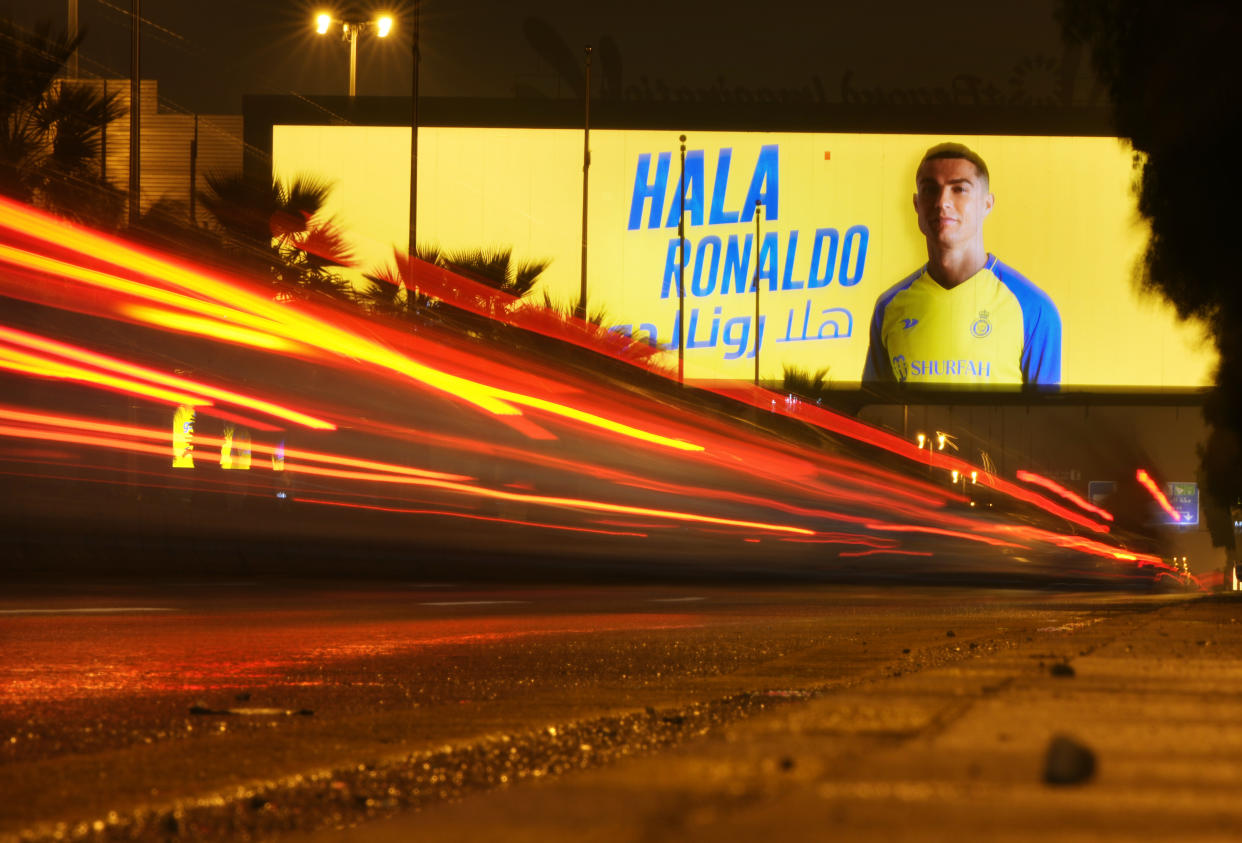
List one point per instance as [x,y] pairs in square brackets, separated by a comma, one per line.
[956,150]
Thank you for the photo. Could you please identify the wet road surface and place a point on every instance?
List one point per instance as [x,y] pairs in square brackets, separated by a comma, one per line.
[217,710]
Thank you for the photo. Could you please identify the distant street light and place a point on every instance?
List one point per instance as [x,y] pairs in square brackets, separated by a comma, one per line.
[350,30]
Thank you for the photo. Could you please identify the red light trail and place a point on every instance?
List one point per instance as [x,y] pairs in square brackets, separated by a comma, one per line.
[660,460]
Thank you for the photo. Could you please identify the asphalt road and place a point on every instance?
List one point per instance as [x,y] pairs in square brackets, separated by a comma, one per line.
[216,710]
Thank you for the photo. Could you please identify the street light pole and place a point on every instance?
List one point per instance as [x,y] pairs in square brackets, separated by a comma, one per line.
[352,31]
[73,36]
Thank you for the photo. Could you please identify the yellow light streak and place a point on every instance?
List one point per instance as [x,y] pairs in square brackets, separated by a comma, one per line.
[109,363]
[30,364]
[206,327]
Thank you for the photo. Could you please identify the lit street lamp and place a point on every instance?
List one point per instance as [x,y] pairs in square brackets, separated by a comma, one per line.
[350,29]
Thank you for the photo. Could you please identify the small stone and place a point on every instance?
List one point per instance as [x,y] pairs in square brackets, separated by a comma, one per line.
[905,650]
[1068,762]
[950,634]
[1062,669]
[305,712]
[243,697]
[787,764]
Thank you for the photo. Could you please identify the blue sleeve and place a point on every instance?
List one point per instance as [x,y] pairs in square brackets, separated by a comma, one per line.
[1041,329]
[877,367]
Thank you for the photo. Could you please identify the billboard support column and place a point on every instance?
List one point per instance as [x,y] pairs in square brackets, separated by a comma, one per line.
[581,309]
[135,110]
[413,243]
[681,273]
[194,174]
[758,333]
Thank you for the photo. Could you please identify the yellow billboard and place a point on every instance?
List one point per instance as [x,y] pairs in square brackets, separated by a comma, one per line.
[851,276]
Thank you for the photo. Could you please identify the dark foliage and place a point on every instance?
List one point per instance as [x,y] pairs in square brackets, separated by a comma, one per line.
[274,228]
[812,386]
[1171,72]
[50,128]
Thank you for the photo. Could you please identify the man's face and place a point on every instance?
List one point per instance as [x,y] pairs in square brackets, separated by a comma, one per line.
[951,200]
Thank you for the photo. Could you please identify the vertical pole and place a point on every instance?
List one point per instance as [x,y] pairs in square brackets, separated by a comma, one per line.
[413,245]
[103,144]
[194,174]
[758,217]
[73,36]
[681,273]
[581,309]
[353,56]
[135,111]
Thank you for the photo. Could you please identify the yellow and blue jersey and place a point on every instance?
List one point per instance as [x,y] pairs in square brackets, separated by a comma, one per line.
[995,328]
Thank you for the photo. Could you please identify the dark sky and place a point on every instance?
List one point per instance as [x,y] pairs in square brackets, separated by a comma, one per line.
[206,55]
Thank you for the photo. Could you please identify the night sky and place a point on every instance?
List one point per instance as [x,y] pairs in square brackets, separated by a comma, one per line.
[206,56]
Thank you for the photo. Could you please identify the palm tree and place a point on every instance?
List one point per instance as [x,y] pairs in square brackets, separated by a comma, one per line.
[496,268]
[392,292]
[275,229]
[50,127]
[809,385]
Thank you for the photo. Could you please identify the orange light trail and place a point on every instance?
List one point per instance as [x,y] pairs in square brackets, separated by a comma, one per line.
[76,423]
[1084,545]
[862,432]
[548,500]
[280,320]
[937,531]
[1157,493]
[1053,486]
[212,328]
[28,364]
[886,552]
[105,364]
[181,298]
[514,521]
[407,476]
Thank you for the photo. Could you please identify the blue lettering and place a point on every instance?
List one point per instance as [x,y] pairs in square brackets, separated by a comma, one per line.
[737,341]
[765,185]
[710,342]
[698,287]
[736,265]
[758,336]
[720,188]
[834,321]
[654,191]
[787,283]
[694,192]
[815,279]
[768,259]
[675,335]
[861,235]
[672,269]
